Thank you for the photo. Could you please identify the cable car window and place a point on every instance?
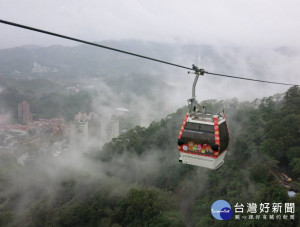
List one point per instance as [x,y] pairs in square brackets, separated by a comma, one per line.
[199,127]
[198,137]
[199,133]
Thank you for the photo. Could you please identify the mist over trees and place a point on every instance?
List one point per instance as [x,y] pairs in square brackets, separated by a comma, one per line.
[65,64]
[136,180]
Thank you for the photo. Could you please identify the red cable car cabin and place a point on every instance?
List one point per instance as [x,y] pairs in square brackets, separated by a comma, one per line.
[203,140]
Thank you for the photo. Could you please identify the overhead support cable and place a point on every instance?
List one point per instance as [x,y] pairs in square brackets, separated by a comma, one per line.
[244,78]
[194,68]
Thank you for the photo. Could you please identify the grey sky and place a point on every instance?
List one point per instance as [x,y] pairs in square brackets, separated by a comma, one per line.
[231,22]
[257,26]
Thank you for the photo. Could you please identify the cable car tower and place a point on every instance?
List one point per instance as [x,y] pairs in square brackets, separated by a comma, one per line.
[204,137]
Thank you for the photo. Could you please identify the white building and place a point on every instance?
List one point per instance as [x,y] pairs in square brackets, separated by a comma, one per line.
[72,132]
[79,128]
[111,129]
[115,129]
[83,130]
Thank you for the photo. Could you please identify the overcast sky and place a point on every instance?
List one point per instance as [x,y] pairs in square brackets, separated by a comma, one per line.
[231,22]
[258,26]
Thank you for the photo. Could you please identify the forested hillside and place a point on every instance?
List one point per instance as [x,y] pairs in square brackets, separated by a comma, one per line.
[136,179]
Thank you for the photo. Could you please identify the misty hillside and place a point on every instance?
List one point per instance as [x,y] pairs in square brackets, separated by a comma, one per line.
[136,179]
[46,75]
[84,60]
[120,80]
[111,72]
[87,61]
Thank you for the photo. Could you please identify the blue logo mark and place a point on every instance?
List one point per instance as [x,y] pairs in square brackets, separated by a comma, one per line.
[221,210]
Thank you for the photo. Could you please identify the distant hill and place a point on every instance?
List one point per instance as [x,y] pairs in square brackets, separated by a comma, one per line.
[119,80]
[90,61]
